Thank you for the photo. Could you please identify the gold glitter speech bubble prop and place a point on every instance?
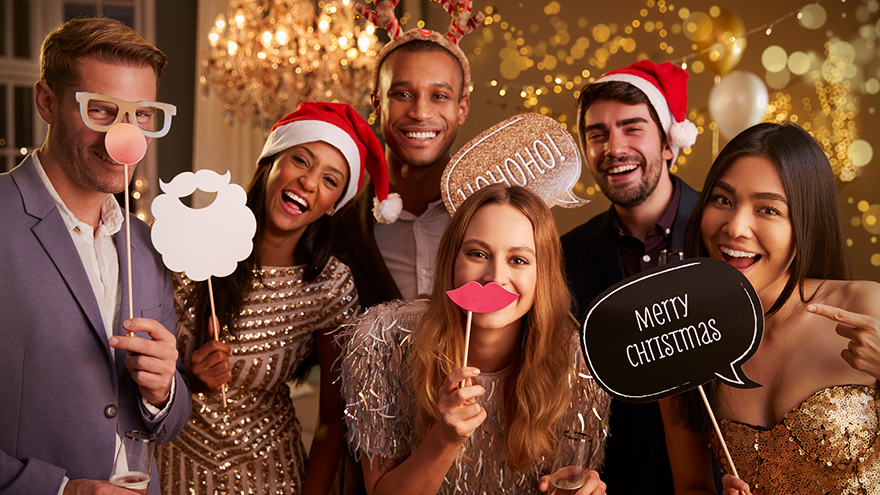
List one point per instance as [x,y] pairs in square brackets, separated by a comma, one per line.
[528,149]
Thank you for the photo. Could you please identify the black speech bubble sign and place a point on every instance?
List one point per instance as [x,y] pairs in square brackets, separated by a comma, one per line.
[672,328]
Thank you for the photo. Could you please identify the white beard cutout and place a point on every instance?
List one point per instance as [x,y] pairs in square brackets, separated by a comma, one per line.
[203,242]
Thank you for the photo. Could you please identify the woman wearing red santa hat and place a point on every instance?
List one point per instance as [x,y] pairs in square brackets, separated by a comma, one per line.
[275,312]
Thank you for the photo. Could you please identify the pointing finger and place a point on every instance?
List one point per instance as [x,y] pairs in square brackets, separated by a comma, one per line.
[841,315]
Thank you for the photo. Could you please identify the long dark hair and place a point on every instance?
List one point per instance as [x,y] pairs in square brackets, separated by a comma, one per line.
[312,250]
[816,223]
[817,226]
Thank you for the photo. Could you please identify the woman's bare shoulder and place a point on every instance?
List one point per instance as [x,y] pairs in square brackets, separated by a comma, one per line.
[857,296]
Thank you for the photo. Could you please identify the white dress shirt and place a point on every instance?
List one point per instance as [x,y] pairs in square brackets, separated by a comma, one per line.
[97,251]
[409,248]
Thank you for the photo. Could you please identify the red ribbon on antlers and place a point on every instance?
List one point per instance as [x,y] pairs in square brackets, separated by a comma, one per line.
[463,21]
[383,16]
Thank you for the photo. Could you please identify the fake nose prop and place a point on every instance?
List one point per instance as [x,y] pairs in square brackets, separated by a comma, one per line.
[125,143]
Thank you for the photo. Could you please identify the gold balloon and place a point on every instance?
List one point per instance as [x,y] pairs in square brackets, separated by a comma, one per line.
[723,47]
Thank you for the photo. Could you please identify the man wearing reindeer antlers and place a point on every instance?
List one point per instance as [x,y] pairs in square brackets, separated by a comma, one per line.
[73,381]
[631,126]
[421,90]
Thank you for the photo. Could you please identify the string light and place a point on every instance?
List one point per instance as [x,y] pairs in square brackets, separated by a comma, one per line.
[550,60]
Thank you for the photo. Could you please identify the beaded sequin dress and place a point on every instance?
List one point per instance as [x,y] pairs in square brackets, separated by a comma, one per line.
[253,445]
[829,444]
[380,407]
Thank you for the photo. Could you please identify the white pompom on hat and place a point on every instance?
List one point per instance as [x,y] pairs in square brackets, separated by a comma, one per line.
[338,125]
[665,85]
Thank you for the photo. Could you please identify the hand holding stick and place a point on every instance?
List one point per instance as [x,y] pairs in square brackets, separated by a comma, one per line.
[475,298]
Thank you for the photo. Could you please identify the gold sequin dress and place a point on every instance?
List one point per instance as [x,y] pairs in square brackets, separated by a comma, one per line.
[829,444]
[254,446]
[380,407]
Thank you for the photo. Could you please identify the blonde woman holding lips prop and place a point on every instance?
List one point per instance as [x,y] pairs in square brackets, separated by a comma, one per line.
[414,428]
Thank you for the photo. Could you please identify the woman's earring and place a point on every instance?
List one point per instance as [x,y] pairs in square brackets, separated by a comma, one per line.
[330,211]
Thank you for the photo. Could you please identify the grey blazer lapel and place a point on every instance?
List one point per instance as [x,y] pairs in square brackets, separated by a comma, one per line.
[52,234]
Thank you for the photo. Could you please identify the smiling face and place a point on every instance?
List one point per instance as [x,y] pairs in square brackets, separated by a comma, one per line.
[499,246]
[75,157]
[419,103]
[624,150]
[304,183]
[747,224]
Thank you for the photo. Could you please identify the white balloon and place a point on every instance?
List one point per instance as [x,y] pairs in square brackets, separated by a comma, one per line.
[737,102]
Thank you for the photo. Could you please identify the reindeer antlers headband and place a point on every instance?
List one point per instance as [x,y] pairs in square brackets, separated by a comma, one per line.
[463,22]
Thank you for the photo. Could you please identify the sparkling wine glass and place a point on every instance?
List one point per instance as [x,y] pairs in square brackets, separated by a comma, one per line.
[570,465]
[134,462]
[669,256]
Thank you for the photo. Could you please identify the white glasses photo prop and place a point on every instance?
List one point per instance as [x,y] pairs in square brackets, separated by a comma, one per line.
[101,112]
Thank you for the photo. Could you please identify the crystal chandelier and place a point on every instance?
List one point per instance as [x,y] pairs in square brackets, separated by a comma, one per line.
[267,56]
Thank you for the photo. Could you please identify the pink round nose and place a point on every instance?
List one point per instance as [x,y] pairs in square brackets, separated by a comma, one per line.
[125,143]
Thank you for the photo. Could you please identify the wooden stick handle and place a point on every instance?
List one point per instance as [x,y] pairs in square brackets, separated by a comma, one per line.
[718,430]
[467,341]
[216,329]
[213,310]
[128,250]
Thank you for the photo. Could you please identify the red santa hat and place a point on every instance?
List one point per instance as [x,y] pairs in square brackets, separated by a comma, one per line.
[665,85]
[338,125]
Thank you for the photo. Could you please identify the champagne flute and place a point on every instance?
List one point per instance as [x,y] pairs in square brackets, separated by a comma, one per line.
[669,256]
[570,465]
[134,462]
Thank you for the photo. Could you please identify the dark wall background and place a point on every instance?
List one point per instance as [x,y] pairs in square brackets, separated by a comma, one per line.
[176,36]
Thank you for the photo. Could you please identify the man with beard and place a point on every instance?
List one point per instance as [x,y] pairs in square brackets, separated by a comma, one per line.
[631,125]
[74,378]
[421,97]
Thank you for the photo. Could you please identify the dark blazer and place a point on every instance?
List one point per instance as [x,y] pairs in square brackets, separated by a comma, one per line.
[636,461]
[64,398]
[355,245]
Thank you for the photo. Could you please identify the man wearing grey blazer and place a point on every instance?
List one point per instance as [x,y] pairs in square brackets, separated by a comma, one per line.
[71,380]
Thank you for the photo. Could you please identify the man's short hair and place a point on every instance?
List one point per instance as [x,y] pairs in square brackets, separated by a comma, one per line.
[612,90]
[421,46]
[107,40]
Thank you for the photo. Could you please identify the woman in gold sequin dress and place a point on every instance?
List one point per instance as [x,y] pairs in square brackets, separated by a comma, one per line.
[418,431]
[275,312]
[770,208]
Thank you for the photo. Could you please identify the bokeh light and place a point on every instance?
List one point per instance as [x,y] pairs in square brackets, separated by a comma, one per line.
[698,26]
[860,152]
[871,219]
[774,58]
[799,63]
[813,16]
[778,79]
